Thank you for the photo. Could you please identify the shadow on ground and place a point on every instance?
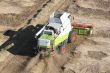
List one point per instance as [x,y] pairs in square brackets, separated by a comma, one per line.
[23,40]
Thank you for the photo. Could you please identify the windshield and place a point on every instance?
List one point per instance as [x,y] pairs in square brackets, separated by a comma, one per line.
[55,20]
[48,32]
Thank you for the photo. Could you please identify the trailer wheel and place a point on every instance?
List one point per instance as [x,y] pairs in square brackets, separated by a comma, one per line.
[91,32]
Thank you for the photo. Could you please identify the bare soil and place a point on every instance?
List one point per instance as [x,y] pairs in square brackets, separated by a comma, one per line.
[97,54]
[18,57]
[16,12]
[94,57]
[91,56]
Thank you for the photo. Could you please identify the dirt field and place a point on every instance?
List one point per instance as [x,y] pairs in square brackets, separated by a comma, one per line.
[94,52]
[14,13]
[91,56]
[16,55]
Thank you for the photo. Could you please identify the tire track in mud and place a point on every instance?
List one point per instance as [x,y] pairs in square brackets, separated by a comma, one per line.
[31,17]
[38,11]
[47,10]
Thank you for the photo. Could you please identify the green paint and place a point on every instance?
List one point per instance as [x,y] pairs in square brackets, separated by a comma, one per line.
[48,47]
[54,41]
[46,36]
[60,39]
[82,31]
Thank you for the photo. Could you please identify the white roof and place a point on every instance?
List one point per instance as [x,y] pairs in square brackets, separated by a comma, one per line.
[58,19]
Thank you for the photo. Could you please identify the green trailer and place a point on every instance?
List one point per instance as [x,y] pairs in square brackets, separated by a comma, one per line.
[82,28]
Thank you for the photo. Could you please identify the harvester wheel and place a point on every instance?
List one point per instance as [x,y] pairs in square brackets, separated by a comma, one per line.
[72,37]
[63,49]
[36,50]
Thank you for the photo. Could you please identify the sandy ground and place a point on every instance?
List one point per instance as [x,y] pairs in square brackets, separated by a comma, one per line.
[14,6]
[15,65]
[95,4]
[94,52]
[13,13]
[92,56]
[26,64]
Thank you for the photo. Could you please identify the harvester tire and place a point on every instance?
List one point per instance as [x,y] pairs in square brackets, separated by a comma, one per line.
[72,37]
[62,47]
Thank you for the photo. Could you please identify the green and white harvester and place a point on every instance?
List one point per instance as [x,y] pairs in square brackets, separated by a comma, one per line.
[56,33]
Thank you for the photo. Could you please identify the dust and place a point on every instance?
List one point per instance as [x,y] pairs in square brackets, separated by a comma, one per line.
[32,63]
